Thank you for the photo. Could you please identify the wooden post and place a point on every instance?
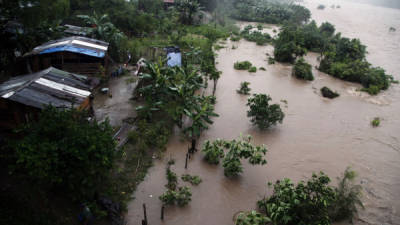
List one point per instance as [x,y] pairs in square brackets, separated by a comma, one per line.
[162,212]
[145,214]
[187,156]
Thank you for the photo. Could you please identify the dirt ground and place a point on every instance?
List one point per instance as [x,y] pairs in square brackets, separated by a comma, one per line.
[116,105]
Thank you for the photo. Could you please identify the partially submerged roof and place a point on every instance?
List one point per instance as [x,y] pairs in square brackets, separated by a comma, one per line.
[75,44]
[47,87]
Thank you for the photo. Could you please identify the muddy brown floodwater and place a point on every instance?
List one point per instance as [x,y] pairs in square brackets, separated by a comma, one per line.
[317,134]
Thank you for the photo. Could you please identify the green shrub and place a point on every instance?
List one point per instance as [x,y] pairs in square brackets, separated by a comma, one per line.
[172,179]
[235,38]
[63,149]
[237,150]
[263,114]
[244,88]
[150,135]
[183,196]
[262,68]
[376,122]
[305,203]
[302,70]
[257,36]
[328,93]
[271,60]
[253,69]
[348,198]
[251,218]
[244,65]
[195,180]
[213,151]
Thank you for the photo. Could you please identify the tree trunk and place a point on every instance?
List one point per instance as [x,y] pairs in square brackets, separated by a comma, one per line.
[215,87]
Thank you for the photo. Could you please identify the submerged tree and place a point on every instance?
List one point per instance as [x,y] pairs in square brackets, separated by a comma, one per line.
[263,114]
[302,70]
[237,150]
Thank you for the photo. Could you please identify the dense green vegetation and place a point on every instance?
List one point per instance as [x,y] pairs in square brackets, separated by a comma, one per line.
[62,149]
[342,57]
[262,113]
[244,65]
[313,201]
[255,36]
[195,180]
[236,150]
[302,70]
[251,218]
[269,11]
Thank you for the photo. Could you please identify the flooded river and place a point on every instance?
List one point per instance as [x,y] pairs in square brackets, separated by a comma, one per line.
[317,134]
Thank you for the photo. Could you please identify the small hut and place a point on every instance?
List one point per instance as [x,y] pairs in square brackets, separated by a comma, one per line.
[23,97]
[74,54]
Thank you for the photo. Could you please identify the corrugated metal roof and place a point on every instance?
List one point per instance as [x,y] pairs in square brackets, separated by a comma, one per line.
[75,30]
[47,87]
[76,44]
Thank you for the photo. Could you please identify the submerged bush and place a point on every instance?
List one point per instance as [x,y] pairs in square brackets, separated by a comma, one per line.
[244,65]
[213,151]
[237,150]
[257,36]
[348,198]
[195,180]
[376,122]
[305,203]
[328,93]
[244,88]
[263,114]
[312,202]
[302,70]
[251,218]
[235,38]
[253,69]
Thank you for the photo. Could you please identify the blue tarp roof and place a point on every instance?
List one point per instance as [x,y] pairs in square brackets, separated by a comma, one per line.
[74,49]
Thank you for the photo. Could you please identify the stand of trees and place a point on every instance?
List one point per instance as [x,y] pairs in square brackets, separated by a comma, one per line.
[341,57]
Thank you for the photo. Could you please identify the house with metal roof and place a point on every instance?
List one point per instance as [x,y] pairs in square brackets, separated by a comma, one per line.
[23,97]
[74,54]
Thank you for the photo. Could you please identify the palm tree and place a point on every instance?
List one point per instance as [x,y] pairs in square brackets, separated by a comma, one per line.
[187,9]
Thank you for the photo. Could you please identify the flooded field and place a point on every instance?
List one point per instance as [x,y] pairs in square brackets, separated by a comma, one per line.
[317,134]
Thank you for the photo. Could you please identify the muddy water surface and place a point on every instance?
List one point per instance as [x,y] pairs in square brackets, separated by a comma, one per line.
[316,134]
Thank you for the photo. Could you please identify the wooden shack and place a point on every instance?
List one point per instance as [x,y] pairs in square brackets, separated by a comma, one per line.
[23,97]
[74,54]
